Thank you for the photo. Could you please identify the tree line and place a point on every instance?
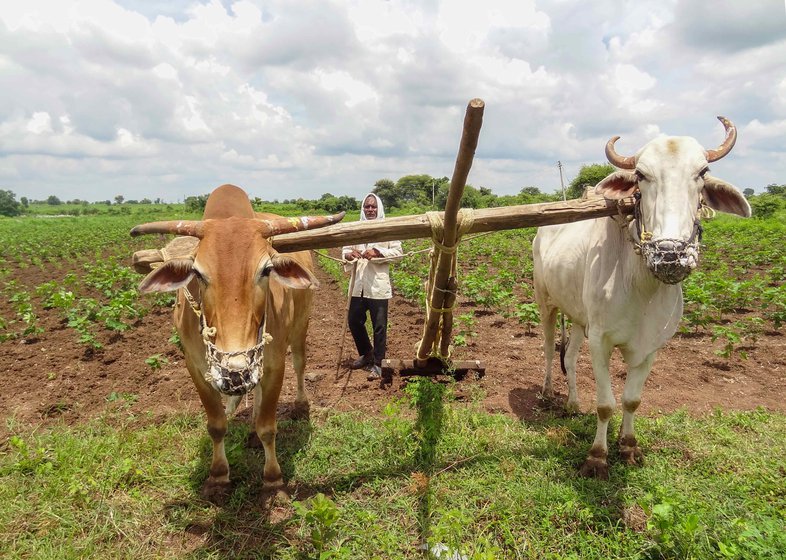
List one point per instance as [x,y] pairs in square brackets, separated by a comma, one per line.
[409,194]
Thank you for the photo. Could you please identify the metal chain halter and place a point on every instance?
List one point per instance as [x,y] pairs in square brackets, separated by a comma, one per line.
[669,260]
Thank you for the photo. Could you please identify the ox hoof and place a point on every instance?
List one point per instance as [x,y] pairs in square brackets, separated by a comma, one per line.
[630,452]
[271,485]
[572,407]
[216,492]
[253,441]
[301,410]
[276,497]
[595,467]
[549,401]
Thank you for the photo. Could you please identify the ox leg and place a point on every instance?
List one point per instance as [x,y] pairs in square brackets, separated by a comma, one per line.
[216,486]
[299,364]
[596,464]
[571,358]
[265,402]
[631,399]
[548,320]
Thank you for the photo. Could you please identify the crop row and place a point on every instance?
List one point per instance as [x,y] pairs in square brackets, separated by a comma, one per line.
[78,269]
[73,272]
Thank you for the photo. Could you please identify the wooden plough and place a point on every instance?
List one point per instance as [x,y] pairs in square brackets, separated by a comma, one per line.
[445,229]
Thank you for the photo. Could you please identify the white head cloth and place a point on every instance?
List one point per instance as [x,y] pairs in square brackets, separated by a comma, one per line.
[380,208]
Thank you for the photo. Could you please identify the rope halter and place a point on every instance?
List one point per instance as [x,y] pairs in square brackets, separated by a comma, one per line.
[225,372]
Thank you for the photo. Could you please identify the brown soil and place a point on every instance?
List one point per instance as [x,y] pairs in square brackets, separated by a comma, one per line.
[54,379]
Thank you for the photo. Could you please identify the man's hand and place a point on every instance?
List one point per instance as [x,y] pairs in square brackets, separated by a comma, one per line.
[354,255]
[371,254]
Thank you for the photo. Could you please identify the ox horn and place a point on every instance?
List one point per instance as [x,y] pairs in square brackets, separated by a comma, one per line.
[178,227]
[623,162]
[728,143]
[289,225]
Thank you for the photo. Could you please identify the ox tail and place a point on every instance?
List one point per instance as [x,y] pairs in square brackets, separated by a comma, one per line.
[563,342]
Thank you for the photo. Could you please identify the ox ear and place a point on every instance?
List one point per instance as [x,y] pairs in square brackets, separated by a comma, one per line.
[619,184]
[723,196]
[291,274]
[170,276]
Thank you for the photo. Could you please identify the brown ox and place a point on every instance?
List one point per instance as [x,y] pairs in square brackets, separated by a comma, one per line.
[238,297]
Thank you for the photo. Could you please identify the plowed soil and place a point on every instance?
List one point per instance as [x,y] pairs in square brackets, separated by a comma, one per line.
[53,378]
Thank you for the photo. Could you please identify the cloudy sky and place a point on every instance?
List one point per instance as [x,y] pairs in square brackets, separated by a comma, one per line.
[296,98]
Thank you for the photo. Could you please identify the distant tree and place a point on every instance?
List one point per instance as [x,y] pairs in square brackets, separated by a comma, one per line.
[416,189]
[386,190]
[8,204]
[53,200]
[157,201]
[749,192]
[24,201]
[589,175]
[145,201]
[330,203]
[778,190]
[119,199]
[470,198]
[765,205]
[196,203]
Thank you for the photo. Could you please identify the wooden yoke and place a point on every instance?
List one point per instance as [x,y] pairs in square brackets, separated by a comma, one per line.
[441,291]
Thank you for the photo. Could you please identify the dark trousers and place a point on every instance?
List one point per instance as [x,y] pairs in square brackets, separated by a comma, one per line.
[378,310]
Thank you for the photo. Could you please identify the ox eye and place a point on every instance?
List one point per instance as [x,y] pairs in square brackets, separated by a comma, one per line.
[639,175]
[199,276]
[703,172]
[266,270]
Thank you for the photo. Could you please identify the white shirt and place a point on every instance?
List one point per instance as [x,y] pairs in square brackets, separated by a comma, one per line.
[373,276]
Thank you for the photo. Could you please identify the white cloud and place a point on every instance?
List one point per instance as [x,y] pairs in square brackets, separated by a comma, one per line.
[39,123]
[301,97]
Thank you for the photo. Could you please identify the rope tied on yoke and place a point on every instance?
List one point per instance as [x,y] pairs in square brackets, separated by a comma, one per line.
[465,219]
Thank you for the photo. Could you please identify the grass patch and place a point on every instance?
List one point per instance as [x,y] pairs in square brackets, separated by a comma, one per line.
[427,471]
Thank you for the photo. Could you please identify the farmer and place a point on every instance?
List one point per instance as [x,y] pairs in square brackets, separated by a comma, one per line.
[369,264]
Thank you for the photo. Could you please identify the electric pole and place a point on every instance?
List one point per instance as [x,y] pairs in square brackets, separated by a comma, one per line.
[561,182]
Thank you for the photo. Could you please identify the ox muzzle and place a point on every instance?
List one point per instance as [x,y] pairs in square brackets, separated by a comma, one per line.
[671,260]
[233,373]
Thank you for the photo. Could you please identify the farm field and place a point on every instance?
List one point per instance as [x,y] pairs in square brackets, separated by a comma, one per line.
[81,350]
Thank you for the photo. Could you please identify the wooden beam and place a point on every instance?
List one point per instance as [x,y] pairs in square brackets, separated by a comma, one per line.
[486,219]
[432,366]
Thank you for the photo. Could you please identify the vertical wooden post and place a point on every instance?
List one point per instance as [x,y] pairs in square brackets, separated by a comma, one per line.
[473,120]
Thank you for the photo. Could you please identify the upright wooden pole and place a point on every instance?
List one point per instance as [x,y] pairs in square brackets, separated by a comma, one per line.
[473,120]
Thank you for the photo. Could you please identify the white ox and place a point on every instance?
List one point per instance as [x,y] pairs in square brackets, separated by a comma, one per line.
[240,306]
[620,282]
